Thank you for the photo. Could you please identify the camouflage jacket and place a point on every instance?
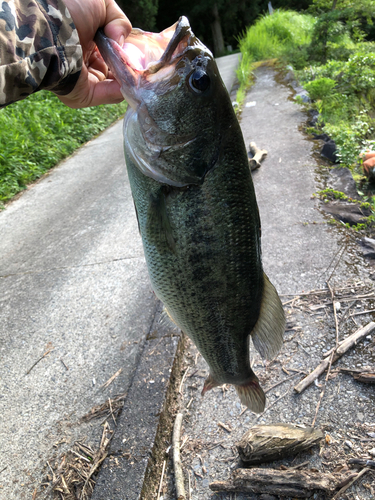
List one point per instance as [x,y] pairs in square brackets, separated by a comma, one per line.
[39,49]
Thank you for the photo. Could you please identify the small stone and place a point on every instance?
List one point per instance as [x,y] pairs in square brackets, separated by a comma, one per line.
[349,444]
[360,416]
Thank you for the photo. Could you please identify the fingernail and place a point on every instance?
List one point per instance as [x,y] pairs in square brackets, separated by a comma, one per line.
[121,41]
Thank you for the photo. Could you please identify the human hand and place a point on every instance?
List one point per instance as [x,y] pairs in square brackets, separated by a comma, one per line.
[96,85]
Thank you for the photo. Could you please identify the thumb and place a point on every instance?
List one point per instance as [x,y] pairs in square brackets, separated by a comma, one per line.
[117,26]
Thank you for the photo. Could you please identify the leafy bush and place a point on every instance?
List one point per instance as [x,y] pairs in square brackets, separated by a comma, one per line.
[320,88]
[38,132]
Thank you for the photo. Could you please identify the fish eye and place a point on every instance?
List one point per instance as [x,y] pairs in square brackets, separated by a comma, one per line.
[199,81]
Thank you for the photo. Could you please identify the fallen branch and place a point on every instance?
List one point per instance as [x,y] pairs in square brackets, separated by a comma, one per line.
[337,353]
[365,377]
[178,474]
[258,156]
[285,483]
[362,461]
[265,443]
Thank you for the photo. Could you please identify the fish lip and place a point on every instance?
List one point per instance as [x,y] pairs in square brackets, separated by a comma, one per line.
[144,79]
[132,74]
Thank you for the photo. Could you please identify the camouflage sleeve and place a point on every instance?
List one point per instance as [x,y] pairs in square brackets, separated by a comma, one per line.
[39,49]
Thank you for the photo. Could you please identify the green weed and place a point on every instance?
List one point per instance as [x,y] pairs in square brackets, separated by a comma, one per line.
[40,131]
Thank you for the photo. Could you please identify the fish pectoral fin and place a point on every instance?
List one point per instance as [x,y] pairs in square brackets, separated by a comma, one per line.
[269,330]
[166,318]
[158,224]
[251,395]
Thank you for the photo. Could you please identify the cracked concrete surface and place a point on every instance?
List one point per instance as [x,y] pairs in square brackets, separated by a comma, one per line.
[73,281]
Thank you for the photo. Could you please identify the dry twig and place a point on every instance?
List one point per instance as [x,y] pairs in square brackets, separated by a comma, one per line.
[110,380]
[339,493]
[50,349]
[179,476]
[337,353]
[161,481]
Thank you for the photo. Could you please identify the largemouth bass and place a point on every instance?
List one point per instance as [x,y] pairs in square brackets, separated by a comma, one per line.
[195,202]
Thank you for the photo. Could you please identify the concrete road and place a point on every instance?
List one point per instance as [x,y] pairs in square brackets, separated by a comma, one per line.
[227,66]
[73,282]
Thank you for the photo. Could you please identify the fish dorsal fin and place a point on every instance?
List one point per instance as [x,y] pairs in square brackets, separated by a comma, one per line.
[269,330]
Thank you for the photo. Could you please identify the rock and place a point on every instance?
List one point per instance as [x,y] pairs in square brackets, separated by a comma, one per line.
[341,179]
[303,94]
[329,151]
[323,137]
[289,77]
[264,443]
[314,117]
[368,245]
[350,213]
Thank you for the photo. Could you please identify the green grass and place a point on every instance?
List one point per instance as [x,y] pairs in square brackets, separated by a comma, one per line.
[38,132]
[284,35]
[336,67]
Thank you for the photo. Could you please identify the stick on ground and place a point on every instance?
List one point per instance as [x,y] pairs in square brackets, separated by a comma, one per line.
[339,493]
[178,474]
[343,347]
[285,483]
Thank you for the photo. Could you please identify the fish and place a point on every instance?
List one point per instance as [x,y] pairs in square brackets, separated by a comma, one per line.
[195,203]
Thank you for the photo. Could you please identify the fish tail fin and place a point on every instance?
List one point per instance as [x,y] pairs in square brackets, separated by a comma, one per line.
[269,330]
[251,395]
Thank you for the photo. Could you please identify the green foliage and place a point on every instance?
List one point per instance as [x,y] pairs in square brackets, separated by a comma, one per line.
[332,194]
[346,110]
[235,17]
[284,34]
[142,13]
[321,88]
[38,132]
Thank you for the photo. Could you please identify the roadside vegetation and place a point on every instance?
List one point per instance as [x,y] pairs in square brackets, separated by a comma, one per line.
[331,50]
[40,131]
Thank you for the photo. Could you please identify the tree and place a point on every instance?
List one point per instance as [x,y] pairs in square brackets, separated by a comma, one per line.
[210,17]
[142,13]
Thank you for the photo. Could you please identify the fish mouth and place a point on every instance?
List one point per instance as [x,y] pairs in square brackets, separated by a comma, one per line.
[149,66]
[147,58]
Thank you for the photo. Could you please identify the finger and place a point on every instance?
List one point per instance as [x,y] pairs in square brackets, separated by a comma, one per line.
[89,92]
[97,63]
[117,25]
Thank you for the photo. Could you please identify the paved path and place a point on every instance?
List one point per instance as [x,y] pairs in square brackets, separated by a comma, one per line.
[227,66]
[73,284]
[73,281]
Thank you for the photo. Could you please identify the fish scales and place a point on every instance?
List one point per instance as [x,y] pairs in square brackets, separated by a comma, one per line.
[212,281]
[195,203]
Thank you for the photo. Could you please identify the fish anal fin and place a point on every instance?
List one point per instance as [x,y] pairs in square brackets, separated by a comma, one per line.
[209,384]
[269,330]
[251,395]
